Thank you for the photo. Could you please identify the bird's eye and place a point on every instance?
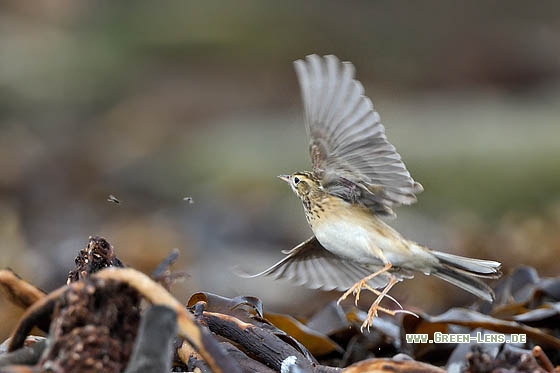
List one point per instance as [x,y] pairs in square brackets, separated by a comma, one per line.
[296,180]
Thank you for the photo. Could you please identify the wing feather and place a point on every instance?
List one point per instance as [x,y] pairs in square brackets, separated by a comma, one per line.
[312,265]
[349,150]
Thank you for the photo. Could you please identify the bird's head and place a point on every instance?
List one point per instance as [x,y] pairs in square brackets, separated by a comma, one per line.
[302,183]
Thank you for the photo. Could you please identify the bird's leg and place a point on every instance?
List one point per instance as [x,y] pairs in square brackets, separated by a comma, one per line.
[375,307]
[372,313]
[357,287]
[378,293]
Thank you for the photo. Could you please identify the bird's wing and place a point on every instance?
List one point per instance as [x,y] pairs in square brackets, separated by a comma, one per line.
[312,265]
[349,150]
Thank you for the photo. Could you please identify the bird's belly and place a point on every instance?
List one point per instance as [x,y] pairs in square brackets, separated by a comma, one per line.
[348,240]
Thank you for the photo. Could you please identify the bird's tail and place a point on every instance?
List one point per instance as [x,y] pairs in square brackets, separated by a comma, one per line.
[463,272]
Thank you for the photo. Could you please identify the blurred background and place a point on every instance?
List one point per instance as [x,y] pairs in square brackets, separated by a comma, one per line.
[153,102]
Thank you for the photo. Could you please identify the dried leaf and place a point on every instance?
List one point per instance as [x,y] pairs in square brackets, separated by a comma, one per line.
[318,344]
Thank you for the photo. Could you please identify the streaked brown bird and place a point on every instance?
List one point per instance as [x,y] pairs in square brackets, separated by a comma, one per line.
[357,178]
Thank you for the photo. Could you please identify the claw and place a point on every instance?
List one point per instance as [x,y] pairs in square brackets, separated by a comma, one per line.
[375,307]
[372,313]
[355,289]
[407,312]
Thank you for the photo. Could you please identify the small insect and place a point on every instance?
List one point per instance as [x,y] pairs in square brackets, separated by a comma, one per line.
[190,200]
[113,199]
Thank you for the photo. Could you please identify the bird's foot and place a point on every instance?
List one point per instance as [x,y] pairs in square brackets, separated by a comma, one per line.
[375,307]
[355,289]
[363,284]
[373,313]
[378,293]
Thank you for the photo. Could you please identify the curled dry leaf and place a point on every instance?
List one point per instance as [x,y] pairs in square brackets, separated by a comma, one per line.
[18,291]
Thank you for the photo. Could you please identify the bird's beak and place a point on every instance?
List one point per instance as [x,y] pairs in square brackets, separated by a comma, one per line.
[285,178]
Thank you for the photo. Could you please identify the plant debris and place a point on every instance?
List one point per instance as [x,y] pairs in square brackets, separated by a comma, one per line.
[98,322]
[98,254]
[94,328]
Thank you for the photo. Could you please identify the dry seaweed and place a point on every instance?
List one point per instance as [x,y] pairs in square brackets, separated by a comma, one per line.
[96,322]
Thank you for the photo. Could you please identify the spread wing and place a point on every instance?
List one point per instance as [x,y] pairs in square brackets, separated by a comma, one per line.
[349,150]
[312,265]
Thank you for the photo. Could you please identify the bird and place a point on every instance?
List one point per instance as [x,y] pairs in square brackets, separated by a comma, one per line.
[357,179]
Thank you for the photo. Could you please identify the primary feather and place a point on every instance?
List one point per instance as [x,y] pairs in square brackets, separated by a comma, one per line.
[349,151]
